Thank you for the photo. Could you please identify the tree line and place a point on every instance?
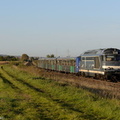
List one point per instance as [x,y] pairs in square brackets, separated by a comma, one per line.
[24,57]
[9,58]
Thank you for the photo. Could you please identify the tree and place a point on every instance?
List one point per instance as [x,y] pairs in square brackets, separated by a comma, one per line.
[50,56]
[2,58]
[24,57]
[9,58]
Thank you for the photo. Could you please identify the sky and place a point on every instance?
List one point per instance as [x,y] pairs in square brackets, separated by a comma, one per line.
[59,27]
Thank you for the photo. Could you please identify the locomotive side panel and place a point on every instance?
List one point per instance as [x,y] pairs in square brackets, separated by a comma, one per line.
[90,65]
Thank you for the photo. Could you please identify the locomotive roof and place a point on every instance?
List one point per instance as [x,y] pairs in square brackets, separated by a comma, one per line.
[66,58]
[102,51]
[59,58]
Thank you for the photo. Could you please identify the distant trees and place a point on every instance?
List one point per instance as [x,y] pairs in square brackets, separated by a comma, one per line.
[50,56]
[33,58]
[24,57]
[8,58]
[11,58]
[2,58]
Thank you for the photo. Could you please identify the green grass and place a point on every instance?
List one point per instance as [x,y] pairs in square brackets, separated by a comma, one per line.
[24,96]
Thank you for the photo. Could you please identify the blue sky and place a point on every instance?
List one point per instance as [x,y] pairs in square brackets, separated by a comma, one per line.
[60,27]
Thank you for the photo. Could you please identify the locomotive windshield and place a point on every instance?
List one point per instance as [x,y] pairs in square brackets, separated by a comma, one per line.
[112,57]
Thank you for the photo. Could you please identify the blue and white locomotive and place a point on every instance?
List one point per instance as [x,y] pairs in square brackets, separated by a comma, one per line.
[99,63]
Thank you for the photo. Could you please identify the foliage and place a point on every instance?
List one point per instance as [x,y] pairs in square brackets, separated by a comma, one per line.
[33,58]
[24,57]
[9,58]
[50,56]
[2,58]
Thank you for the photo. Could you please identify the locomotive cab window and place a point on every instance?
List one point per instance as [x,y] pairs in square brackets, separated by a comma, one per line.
[112,57]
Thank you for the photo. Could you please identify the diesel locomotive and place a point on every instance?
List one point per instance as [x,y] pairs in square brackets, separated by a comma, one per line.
[99,63]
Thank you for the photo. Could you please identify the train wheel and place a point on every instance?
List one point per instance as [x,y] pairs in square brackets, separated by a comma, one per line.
[82,74]
[97,76]
[114,78]
[101,77]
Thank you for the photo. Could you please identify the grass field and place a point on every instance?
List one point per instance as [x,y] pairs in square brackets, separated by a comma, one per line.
[24,96]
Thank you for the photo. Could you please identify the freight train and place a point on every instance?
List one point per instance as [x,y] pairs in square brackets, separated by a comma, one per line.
[98,63]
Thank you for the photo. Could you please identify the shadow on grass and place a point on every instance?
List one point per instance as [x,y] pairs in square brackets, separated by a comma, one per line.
[25,83]
[8,82]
